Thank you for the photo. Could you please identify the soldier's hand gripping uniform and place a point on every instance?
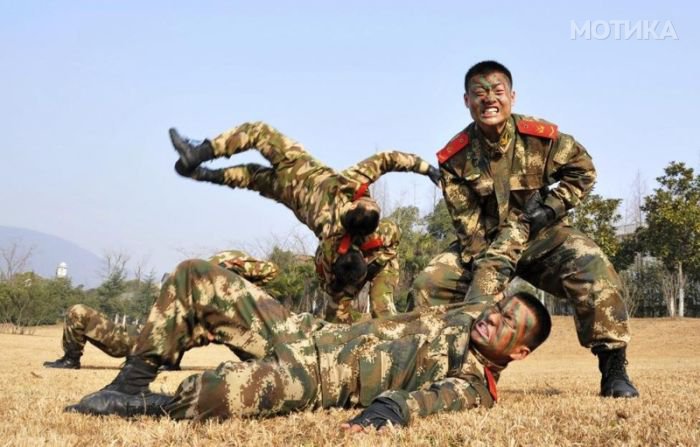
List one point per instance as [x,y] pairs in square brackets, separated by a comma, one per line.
[84,324]
[495,193]
[317,195]
[421,362]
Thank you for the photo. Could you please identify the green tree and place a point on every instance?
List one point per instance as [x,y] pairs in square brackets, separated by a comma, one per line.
[421,239]
[672,231]
[145,293]
[596,217]
[296,284]
[439,225]
[110,292]
[27,300]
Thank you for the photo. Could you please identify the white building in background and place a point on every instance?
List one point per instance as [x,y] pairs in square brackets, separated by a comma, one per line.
[62,270]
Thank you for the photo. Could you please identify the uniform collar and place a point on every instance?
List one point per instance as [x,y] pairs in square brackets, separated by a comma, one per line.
[497,149]
[496,369]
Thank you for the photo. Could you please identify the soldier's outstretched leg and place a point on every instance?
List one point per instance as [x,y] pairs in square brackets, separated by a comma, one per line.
[286,382]
[271,144]
[566,263]
[198,303]
[444,281]
[85,324]
[250,176]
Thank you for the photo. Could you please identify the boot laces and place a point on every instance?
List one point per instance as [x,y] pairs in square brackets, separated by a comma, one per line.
[616,367]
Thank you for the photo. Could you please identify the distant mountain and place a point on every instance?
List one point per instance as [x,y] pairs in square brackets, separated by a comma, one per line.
[48,251]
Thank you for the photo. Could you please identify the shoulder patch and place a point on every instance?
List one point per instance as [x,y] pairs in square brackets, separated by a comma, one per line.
[538,129]
[456,144]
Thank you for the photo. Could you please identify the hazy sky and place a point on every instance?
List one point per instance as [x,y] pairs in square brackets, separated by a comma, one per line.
[88,90]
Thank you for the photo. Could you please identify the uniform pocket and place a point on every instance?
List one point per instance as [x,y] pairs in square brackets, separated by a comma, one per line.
[526,182]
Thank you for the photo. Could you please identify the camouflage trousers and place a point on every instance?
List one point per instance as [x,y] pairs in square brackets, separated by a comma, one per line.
[289,162]
[201,302]
[561,261]
[287,381]
[381,297]
[85,324]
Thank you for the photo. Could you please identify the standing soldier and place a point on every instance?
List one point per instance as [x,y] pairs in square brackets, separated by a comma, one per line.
[85,324]
[354,248]
[444,358]
[495,176]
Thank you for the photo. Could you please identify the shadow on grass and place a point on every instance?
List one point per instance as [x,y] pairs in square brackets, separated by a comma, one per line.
[547,391]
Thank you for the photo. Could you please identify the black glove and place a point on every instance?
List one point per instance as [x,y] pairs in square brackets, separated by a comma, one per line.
[434,175]
[380,411]
[537,214]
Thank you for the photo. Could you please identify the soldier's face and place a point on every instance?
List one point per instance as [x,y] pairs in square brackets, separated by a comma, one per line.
[501,330]
[490,101]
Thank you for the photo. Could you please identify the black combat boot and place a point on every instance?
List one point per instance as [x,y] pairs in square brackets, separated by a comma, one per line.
[126,405]
[192,153]
[615,382]
[134,376]
[127,395]
[70,360]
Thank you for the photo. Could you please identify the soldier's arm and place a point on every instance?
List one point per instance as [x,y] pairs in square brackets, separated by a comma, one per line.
[370,169]
[450,394]
[572,166]
[494,267]
[250,268]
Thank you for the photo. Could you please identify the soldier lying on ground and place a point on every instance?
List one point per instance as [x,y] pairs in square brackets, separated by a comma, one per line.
[444,358]
[85,324]
[354,247]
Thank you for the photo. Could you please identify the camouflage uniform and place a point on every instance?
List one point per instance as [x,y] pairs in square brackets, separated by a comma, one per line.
[380,250]
[318,197]
[85,324]
[485,186]
[421,360]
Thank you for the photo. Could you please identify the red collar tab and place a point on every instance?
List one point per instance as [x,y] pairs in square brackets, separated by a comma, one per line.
[371,244]
[361,191]
[456,144]
[538,129]
[344,245]
[491,383]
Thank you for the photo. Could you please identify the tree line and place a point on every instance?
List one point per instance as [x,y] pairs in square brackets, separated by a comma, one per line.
[656,251]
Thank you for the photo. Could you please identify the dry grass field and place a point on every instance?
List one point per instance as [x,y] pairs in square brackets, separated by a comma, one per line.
[548,399]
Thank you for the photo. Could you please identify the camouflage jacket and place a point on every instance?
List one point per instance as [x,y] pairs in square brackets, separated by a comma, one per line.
[421,360]
[254,270]
[379,249]
[314,192]
[485,186]
[332,192]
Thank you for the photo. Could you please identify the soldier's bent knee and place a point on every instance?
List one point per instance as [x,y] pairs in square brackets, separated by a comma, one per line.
[76,311]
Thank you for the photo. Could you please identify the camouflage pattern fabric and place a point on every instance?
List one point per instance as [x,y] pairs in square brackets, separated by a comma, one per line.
[252,269]
[485,187]
[85,324]
[380,250]
[421,360]
[318,196]
[315,193]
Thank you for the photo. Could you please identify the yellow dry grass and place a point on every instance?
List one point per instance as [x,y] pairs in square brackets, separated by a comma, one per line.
[548,399]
